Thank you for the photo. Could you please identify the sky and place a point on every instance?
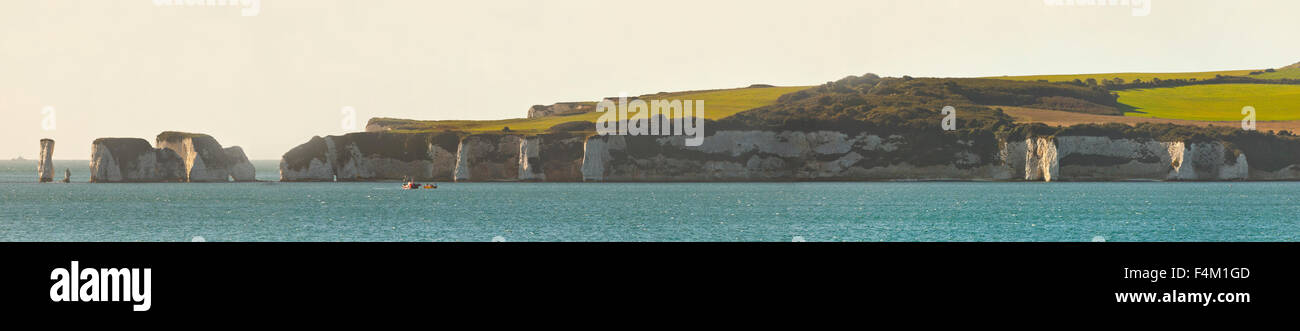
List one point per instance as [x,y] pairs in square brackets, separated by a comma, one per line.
[77,70]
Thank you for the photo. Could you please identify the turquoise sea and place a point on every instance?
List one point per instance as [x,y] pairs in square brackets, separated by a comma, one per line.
[868,211]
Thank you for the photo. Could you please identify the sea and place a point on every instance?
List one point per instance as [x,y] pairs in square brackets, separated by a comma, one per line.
[714,212]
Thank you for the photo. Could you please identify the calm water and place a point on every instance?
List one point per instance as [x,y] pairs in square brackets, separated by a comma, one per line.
[640,212]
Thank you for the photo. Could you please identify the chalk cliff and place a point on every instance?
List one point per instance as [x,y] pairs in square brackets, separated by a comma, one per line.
[45,166]
[241,170]
[180,157]
[115,160]
[373,156]
[490,157]
[205,159]
[1095,158]
[766,155]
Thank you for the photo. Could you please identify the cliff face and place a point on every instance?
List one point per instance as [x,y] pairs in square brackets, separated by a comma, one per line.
[786,155]
[115,160]
[240,169]
[758,155]
[1093,158]
[45,166]
[491,157]
[205,159]
[560,157]
[180,157]
[372,156]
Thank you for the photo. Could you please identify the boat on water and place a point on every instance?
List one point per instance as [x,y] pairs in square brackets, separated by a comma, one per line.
[408,184]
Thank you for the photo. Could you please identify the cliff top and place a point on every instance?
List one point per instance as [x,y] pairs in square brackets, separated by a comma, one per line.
[176,135]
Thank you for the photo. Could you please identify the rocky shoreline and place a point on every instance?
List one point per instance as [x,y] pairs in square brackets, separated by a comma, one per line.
[764,155]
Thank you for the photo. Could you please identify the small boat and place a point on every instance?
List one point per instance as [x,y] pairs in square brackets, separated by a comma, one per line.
[417,186]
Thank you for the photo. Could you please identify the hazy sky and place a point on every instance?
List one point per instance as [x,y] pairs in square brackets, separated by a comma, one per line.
[129,68]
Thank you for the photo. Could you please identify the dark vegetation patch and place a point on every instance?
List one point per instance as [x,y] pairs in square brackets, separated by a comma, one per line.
[1264,151]
[1120,84]
[174,136]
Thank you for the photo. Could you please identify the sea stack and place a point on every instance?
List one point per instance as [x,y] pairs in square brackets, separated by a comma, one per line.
[240,169]
[204,158]
[46,165]
[133,160]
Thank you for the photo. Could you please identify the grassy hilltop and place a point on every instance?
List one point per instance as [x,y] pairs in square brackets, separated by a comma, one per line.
[1198,96]
[1213,98]
[718,104]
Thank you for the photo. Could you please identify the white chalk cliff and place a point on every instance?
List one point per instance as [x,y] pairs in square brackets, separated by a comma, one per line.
[115,160]
[179,157]
[761,155]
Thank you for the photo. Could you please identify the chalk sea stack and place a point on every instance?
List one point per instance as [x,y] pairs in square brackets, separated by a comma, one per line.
[179,157]
[133,160]
[240,169]
[46,165]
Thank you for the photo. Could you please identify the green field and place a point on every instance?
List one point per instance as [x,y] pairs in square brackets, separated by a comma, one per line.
[717,104]
[1221,102]
[1130,76]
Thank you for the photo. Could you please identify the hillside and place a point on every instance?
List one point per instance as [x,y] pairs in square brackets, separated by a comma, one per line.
[884,102]
[1220,102]
[856,128]
[718,104]
[1287,72]
[887,104]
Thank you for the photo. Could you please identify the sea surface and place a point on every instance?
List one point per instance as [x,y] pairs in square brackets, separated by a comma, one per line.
[780,212]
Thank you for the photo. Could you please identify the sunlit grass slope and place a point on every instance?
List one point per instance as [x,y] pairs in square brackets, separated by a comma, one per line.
[1220,102]
[717,104]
